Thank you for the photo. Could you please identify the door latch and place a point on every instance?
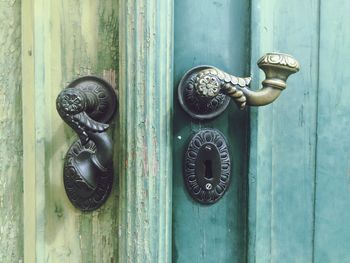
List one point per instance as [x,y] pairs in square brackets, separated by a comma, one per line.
[86,105]
[205,91]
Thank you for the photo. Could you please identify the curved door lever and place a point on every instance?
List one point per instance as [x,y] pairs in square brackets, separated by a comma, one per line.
[86,105]
[205,91]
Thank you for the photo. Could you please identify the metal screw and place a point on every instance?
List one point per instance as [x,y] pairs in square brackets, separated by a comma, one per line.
[208,148]
[208,186]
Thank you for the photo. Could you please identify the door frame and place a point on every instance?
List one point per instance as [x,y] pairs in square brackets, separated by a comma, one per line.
[145,155]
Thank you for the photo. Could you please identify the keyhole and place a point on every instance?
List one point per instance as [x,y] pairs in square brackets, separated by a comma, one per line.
[208,171]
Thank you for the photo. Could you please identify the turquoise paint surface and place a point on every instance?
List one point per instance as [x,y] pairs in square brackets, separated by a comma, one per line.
[214,33]
[283,137]
[299,151]
[299,193]
[332,197]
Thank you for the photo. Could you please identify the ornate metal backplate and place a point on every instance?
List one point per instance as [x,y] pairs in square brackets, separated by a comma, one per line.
[207,166]
[85,195]
[101,96]
[86,105]
[200,107]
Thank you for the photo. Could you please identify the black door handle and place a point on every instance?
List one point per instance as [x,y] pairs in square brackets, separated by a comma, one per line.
[86,105]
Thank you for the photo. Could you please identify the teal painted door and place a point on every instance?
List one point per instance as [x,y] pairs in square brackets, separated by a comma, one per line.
[212,33]
[289,197]
[299,195]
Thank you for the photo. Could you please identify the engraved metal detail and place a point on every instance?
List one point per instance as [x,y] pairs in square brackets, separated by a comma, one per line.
[227,84]
[207,85]
[279,59]
[86,105]
[203,89]
[207,145]
[192,101]
[86,196]
[72,101]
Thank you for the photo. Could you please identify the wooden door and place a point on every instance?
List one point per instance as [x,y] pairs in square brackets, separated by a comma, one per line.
[44,46]
[289,196]
[299,154]
[297,176]
[207,33]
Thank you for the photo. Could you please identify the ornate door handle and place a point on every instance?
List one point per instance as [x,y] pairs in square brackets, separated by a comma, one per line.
[205,91]
[86,105]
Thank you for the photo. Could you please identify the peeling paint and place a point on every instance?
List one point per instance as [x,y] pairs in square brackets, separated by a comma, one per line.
[11,231]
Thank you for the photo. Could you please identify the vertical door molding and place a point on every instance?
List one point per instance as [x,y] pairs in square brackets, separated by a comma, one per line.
[146,88]
[283,139]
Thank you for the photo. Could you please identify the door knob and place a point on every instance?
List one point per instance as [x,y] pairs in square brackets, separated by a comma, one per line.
[205,91]
[86,105]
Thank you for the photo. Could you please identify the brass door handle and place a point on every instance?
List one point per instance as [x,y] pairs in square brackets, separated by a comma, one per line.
[86,105]
[205,91]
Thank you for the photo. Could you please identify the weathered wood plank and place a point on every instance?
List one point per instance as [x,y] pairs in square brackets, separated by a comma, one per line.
[146,89]
[332,213]
[64,39]
[211,33]
[11,198]
[283,138]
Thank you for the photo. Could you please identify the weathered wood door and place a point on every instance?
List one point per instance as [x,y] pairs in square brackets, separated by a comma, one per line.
[44,46]
[299,147]
[289,202]
[289,195]
[211,33]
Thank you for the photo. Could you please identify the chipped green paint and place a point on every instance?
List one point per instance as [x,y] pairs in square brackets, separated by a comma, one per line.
[66,39]
[145,158]
[11,205]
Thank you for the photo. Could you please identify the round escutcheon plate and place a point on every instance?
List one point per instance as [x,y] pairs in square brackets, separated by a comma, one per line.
[191,102]
[103,91]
